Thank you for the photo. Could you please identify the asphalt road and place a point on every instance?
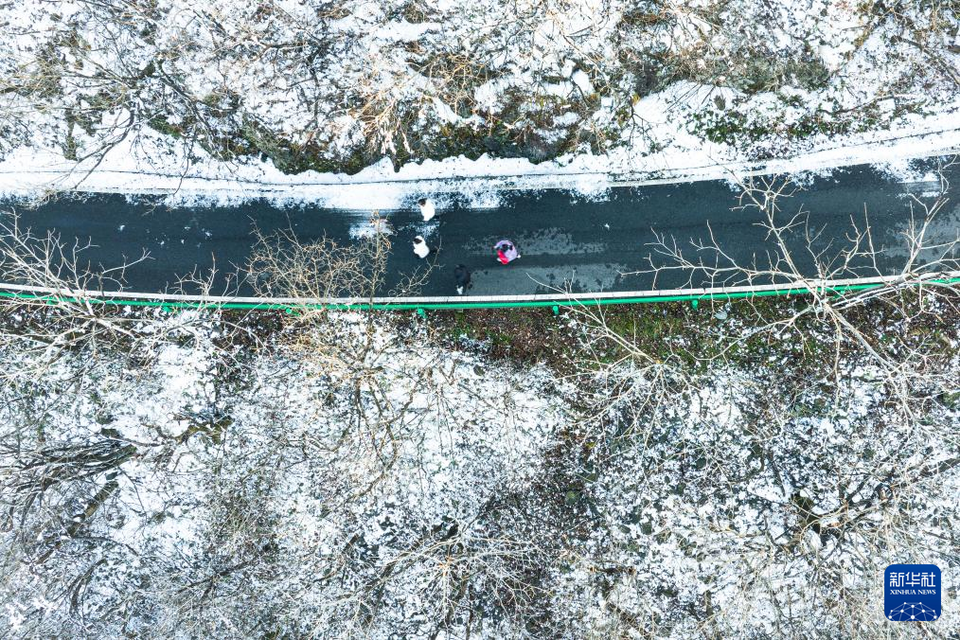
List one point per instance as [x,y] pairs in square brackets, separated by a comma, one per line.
[566,242]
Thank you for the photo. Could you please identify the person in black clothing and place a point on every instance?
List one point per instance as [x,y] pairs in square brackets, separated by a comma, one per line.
[462,276]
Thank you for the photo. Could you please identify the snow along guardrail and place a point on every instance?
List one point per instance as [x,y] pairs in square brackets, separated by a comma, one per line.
[555,300]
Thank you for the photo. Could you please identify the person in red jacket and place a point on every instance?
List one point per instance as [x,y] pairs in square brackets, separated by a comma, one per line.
[506,251]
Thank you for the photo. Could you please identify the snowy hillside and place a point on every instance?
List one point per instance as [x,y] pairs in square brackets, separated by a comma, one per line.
[210,475]
[643,88]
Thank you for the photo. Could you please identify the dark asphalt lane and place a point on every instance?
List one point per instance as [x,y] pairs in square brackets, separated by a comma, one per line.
[565,241]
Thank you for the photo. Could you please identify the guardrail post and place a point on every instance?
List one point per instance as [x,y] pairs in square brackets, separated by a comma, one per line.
[421,312]
[695,303]
[555,309]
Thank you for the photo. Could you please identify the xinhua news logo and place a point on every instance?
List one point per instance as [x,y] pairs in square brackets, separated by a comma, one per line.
[911,592]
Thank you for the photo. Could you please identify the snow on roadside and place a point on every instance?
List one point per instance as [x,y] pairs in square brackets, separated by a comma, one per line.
[152,163]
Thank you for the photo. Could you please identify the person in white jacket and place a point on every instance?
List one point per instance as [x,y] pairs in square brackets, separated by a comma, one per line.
[427,209]
[420,247]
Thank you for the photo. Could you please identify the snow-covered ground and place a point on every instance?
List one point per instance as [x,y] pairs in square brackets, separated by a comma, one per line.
[353,476]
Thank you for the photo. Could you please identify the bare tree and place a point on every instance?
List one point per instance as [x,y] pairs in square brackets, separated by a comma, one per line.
[52,278]
[821,267]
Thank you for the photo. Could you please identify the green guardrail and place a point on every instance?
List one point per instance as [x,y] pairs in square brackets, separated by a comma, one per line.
[694,299]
